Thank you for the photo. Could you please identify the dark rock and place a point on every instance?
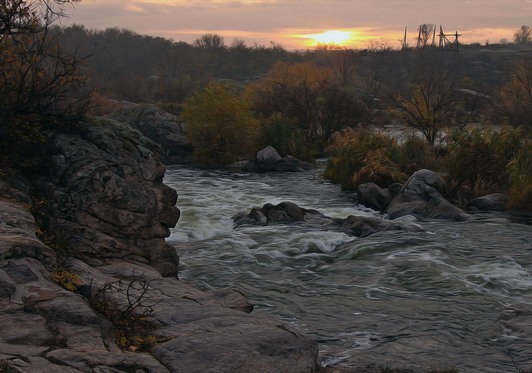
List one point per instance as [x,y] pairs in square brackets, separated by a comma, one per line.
[373,196]
[288,212]
[421,196]
[394,188]
[159,126]
[490,202]
[269,160]
[106,196]
[284,212]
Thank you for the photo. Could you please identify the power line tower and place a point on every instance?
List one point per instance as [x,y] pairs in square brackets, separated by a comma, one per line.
[426,32]
[447,43]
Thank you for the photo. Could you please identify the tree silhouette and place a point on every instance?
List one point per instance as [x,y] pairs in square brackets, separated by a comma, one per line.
[523,35]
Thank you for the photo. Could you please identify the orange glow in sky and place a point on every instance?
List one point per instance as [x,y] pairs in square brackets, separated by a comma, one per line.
[299,24]
[335,37]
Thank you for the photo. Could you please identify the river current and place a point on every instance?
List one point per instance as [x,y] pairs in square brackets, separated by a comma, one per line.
[456,294]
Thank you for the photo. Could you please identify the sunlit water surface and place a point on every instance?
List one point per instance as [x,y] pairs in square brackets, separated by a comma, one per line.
[455,295]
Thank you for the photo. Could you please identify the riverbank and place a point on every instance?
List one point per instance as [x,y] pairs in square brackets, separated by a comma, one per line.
[89,283]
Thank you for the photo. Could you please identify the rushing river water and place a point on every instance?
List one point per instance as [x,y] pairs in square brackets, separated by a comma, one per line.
[454,295]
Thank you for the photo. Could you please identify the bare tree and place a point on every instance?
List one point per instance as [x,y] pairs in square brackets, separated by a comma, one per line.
[429,105]
[209,41]
[514,100]
[523,35]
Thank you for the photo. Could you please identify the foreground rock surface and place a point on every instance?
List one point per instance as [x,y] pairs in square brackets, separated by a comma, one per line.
[110,211]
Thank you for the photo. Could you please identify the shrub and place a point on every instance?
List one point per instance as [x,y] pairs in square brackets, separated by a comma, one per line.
[127,305]
[219,126]
[37,79]
[360,156]
[490,160]
[69,280]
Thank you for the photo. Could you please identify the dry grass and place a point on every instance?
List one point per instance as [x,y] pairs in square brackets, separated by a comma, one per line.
[480,160]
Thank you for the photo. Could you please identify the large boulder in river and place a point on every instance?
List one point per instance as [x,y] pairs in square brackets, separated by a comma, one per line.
[269,160]
[159,126]
[421,196]
[105,196]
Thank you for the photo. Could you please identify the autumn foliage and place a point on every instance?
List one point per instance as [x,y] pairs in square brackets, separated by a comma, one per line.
[39,84]
[309,97]
[219,125]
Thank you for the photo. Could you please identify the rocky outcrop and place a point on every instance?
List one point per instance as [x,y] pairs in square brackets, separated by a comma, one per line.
[105,199]
[421,197]
[106,298]
[288,212]
[269,160]
[159,126]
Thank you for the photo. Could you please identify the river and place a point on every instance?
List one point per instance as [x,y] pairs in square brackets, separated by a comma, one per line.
[457,294]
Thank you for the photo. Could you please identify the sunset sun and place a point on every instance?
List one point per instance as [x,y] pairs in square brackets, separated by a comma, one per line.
[337,37]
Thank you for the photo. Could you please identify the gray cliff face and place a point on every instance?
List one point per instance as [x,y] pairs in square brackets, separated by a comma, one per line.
[105,198]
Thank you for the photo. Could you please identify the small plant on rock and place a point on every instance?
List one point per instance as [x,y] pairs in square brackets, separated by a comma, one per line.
[128,304]
[69,280]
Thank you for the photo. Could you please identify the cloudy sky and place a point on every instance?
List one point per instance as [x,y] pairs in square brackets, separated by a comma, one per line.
[292,22]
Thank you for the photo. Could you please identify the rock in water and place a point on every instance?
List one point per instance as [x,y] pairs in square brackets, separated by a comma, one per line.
[490,202]
[269,160]
[421,196]
[373,196]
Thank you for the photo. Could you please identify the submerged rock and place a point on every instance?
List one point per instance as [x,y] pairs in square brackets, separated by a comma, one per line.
[289,212]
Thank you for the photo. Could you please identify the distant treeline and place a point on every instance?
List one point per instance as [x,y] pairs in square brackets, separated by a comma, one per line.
[123,65]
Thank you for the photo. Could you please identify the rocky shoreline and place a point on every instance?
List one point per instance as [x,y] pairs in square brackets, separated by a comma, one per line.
[98,290]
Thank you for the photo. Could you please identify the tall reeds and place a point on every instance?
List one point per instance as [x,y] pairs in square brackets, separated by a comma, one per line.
[480,160]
